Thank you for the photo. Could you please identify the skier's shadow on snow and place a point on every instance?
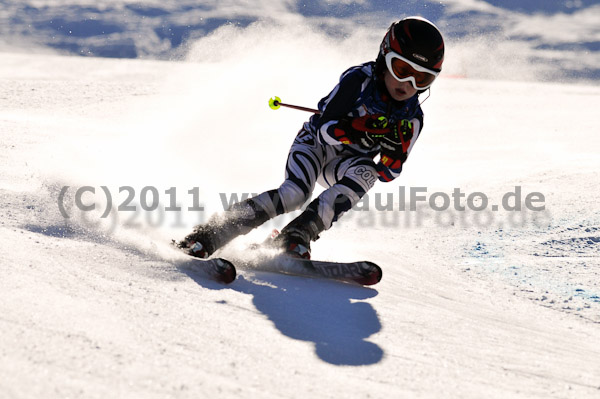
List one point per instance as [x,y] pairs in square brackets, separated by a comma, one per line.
[319,311]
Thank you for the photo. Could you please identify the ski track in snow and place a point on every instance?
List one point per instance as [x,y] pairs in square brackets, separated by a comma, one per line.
[91,307]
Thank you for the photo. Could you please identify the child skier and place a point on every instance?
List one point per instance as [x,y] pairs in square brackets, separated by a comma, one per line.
[374,110]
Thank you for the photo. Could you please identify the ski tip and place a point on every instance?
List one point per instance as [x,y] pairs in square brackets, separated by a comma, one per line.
[379,272]
[227,271]
[229,277]
[373,276]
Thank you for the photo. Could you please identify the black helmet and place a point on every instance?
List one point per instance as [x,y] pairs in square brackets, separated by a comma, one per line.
[415,39]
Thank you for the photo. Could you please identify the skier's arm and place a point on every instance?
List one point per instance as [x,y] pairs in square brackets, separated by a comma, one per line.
[395,150]
[337,106]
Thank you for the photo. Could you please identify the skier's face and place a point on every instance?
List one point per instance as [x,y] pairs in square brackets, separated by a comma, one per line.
[399,91]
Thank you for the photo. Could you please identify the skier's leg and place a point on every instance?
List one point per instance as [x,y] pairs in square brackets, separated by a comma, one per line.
[304,164]
[240,219]
[353,177]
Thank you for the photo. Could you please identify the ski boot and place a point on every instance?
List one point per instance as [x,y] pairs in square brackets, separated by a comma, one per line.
[240,219]
[199,243]
[295,238]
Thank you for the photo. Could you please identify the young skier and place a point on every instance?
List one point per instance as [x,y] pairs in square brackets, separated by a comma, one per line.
[374,110]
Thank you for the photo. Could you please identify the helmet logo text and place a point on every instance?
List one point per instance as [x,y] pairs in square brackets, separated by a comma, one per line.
[420,57]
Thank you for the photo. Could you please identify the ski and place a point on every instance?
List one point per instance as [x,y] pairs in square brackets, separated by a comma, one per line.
[218,269]
[363,272]
[222,270]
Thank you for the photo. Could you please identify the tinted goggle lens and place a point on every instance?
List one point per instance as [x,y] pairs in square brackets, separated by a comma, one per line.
[405,70]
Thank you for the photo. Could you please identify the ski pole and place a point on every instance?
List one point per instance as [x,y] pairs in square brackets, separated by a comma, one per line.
[275,103]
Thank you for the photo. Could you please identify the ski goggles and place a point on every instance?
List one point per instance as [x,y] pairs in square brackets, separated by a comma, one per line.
[405,70]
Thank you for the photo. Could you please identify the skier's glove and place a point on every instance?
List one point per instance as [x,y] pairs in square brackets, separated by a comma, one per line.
[363,130]
[394,145]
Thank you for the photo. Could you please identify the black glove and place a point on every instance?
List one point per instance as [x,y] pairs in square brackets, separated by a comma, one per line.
[394,145]
[363,130]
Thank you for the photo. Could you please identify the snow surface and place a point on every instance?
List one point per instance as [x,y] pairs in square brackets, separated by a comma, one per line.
[472,304]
